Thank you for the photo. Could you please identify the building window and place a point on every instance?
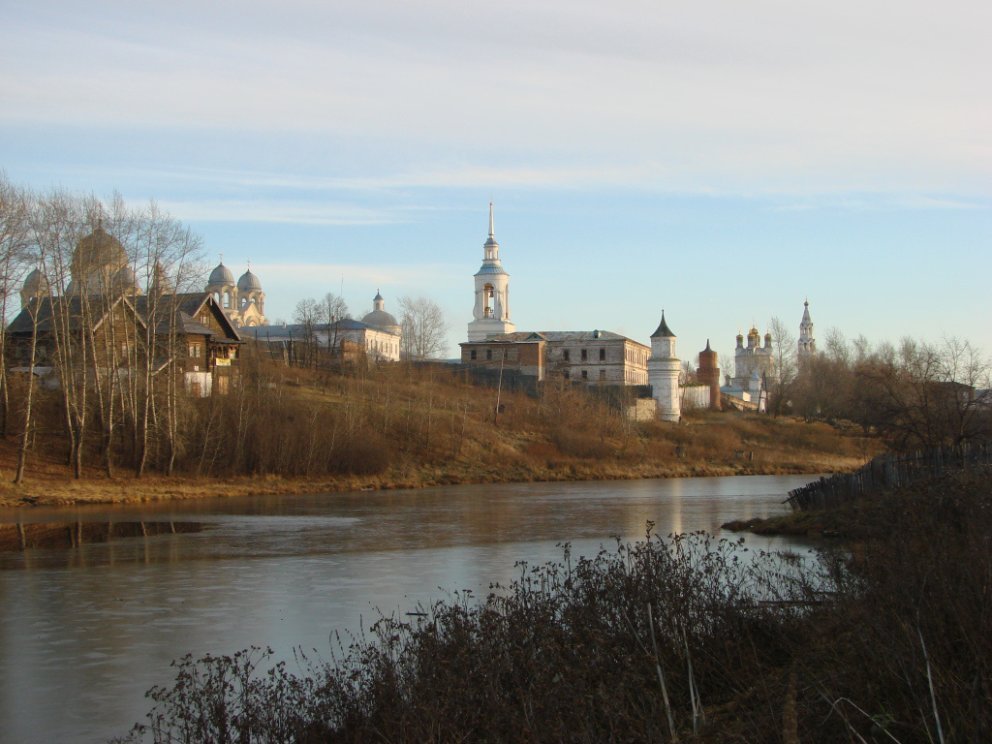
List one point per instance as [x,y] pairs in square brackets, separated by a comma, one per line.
[585,374]
[565,374]
[471,354]
[489,353]
[564,354]
[602,355]
[194,351]
[602,374]
[584,355]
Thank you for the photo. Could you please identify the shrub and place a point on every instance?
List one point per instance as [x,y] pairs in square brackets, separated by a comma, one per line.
[685,634]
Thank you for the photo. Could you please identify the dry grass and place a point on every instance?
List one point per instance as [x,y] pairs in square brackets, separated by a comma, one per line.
[404,427]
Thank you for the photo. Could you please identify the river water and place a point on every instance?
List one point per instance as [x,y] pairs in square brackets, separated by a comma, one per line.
[85,631]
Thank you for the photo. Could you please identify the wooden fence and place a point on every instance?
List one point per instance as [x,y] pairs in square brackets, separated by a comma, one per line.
[886,472]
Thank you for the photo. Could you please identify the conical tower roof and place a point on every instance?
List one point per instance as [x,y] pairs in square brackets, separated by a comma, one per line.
[663,330]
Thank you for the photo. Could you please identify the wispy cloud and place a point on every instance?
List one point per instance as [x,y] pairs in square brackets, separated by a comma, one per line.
[716,95]
[299,213]
[878,202]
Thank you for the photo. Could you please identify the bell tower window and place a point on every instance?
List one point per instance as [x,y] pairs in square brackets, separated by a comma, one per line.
[489,298]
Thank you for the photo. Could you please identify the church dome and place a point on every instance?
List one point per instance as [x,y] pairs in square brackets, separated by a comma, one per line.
[35,283]
[97,254]
[379,318]
[221,275]
[249,282]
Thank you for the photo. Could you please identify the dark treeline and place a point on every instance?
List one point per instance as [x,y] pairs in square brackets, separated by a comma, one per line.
[916,395]
[669,639]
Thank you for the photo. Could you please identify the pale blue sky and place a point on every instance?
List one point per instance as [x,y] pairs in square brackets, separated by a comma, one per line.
[722,160]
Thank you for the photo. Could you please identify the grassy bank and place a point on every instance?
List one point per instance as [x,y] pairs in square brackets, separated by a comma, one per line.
[661,640]
[296,431]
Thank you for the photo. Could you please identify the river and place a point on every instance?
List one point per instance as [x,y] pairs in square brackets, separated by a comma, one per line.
[85,631]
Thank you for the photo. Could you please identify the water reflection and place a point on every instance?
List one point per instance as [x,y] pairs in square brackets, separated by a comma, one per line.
[84,632]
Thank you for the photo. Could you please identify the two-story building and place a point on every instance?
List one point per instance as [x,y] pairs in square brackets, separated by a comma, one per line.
[593,357]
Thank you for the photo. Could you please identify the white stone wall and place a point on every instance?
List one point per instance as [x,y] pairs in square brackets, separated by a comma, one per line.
[695,396]
[377,344]
[642,409]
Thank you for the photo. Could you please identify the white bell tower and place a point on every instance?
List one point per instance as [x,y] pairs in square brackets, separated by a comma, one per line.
[491,313]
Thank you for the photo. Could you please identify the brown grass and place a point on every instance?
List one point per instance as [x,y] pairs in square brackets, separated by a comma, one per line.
[403,427]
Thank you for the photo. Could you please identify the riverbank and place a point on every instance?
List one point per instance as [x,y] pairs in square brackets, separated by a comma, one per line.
[51,485]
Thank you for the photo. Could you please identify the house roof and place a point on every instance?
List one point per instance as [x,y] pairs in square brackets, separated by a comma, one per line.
[590,337]
[49,309]
[300,330]
[185,305]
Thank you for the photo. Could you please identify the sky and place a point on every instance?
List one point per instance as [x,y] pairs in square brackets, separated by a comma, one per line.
[721,160]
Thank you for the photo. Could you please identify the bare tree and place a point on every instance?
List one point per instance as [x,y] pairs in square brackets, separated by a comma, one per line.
[168,254]
[15,244]
[784,351]
[334,310]
[424,329]
[309,313]
[923,395]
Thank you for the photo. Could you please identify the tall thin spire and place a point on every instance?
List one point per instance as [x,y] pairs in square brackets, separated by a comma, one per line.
[492,229]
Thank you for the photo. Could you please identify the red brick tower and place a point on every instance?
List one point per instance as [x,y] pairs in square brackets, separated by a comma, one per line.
[709,374]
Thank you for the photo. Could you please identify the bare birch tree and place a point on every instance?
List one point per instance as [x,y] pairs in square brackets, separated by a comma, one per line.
[15,244]
[784,352]
[424,328]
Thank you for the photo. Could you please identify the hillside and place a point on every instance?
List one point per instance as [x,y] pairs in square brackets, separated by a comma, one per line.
[291,431]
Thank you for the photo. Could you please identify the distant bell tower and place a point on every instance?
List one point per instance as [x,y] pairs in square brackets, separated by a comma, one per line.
[491,313]
[807,344]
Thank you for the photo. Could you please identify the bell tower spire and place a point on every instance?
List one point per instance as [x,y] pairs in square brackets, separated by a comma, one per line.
[807,343]
[491,313]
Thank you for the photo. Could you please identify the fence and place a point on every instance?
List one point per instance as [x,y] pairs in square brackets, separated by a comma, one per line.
[886,472]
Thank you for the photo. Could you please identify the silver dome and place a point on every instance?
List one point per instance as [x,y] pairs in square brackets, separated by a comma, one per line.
[249,282]
[221,275]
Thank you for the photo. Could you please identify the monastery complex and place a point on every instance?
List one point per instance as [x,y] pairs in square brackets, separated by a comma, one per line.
[213,323]
[603,358]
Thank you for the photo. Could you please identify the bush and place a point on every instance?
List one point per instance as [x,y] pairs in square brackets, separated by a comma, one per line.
[686,634]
